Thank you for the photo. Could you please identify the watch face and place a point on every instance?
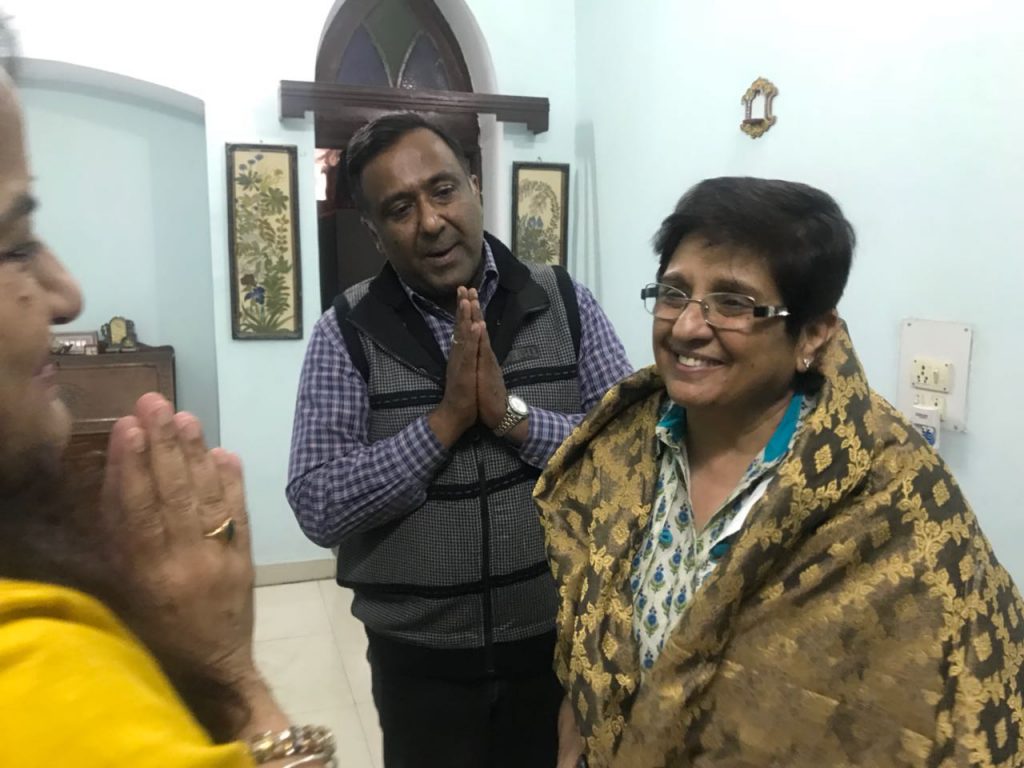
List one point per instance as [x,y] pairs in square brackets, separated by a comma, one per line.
[517,405]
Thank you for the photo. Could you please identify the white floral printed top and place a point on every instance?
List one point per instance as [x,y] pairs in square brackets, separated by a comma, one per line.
[677,557]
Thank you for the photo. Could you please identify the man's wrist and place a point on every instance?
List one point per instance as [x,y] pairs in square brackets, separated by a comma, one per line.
[516,412]
[446,427]
[519,434]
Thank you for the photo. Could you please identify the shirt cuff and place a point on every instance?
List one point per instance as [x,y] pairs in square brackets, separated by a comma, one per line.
[418,451]
[546,431]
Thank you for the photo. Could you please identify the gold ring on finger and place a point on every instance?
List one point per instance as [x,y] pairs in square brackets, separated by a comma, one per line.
[225,531]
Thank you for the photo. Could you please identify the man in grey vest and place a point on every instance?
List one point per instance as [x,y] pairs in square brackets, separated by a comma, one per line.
[430,398]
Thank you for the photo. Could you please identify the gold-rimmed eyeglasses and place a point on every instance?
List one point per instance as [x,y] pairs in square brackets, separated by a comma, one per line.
[729,311]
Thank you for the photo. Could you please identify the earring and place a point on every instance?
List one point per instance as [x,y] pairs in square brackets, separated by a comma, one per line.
[807,363]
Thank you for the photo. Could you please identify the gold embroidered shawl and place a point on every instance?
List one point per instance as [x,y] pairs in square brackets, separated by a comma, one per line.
[859,619]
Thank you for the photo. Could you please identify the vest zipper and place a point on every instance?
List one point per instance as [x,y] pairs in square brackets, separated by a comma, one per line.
[485,558]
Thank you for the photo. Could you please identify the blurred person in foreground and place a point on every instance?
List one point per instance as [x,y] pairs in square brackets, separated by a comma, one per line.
[125,636]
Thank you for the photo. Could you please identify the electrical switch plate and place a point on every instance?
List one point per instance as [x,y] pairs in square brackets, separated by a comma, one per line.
[935,359]
[932,374]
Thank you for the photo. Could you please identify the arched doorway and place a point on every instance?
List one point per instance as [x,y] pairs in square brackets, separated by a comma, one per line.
[405,45]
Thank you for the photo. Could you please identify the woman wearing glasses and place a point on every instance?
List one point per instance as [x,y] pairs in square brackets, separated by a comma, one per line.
[760,562]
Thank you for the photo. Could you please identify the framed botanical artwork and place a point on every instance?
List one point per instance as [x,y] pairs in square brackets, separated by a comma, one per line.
[263,242]
[540,212]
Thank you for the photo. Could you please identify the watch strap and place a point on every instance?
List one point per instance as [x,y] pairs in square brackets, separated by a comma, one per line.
[508,421]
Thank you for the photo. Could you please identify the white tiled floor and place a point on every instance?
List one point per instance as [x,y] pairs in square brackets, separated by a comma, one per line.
[313,653]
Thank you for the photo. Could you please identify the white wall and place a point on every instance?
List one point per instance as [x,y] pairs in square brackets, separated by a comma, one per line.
[124,183]
[232,55]
[532,47]
[907,112]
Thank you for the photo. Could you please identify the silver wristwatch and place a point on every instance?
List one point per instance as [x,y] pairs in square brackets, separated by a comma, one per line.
[515,412]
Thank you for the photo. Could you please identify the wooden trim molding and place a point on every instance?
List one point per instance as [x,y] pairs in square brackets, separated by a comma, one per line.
[329,99]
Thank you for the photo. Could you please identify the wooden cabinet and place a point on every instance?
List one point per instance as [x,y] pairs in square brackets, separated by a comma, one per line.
[100,389]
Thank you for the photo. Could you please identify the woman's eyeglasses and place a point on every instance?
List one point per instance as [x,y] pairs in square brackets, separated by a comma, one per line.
[729,311]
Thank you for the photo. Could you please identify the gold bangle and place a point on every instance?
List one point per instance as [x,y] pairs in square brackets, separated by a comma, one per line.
[303,740]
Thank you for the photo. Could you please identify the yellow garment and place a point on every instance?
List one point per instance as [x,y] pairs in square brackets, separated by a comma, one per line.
[859,619]
[77,689]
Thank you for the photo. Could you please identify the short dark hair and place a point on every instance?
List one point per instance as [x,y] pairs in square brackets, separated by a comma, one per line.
[799,230]
[381,134]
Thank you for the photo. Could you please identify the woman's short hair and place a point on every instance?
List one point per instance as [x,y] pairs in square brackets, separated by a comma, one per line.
[800,232]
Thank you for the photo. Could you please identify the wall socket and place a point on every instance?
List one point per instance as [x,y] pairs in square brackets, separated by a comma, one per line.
[932,374]
[931,400]
[935,361]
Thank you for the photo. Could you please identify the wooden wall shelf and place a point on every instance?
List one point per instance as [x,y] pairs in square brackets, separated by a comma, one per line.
[331,100]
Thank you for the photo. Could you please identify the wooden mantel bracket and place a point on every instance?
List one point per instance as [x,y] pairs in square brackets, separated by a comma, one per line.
[329,99]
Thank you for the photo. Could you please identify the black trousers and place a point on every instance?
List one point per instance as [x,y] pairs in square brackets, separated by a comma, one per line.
[434,718]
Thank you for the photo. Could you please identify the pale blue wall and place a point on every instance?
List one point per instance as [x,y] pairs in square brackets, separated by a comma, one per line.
[258,380]
[527,50]
[908,113]
[124,203]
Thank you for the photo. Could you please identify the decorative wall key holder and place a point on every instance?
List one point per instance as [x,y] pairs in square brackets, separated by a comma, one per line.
[755,127]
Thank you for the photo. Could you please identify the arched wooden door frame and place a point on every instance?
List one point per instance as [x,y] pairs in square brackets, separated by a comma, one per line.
[338,226]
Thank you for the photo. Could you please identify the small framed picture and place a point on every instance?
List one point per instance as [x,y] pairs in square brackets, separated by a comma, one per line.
[540,212]
[74,343]
[119,335]
[263,240]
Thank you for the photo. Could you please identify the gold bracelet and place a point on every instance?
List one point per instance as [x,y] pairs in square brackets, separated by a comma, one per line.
[304,740]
